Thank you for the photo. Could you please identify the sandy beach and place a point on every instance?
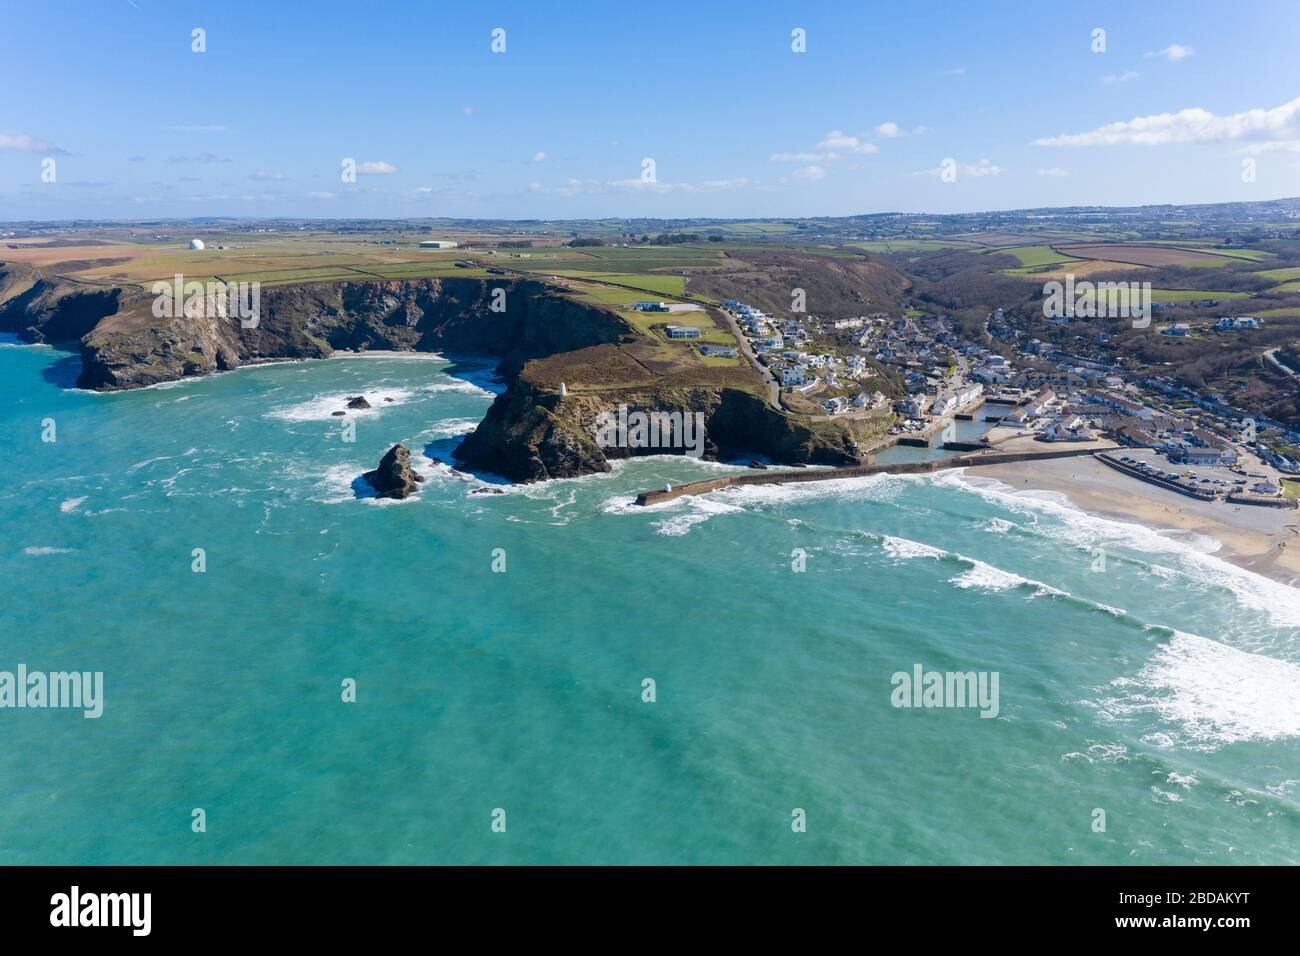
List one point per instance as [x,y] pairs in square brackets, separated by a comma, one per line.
[1263,540]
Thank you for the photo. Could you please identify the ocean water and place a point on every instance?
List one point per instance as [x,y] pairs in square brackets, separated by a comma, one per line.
[1163,690]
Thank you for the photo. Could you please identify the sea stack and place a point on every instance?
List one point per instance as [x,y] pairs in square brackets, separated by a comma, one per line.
[358,401]
[394,477]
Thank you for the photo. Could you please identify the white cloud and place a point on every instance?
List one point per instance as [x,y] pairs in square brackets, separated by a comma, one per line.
[1276,146]
[1173,53]
[320,195]
[836,139]
[1053,171]
[574,186]
[538,157]
[982,168]
[1189,126]
[810,173]
[467,110]
[978,170]
[1119,79]
[802,157]
[22,143]
[836,145]
[376,168]
[955,71]
[263,174]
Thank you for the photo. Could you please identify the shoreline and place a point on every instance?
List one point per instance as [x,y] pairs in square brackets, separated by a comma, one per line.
[1265,541]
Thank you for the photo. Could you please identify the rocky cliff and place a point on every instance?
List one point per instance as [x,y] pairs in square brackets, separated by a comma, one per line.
[510,319]
[54,310]
[541,337]
[533,432]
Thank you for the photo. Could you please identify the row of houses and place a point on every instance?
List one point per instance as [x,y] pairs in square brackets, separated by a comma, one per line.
[1237,323]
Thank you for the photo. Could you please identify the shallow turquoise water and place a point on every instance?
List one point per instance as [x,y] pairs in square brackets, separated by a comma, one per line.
[1164,690]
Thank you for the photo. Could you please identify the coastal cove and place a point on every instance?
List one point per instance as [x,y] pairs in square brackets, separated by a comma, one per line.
[1161,688]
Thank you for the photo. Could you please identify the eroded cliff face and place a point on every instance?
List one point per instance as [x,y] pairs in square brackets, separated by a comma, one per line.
[54,311]
[509,319]
[541,337]
[532,432]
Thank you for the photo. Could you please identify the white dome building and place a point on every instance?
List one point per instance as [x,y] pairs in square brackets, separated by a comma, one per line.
[196,243]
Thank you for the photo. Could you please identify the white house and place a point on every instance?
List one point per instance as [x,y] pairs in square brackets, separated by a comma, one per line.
[793,375]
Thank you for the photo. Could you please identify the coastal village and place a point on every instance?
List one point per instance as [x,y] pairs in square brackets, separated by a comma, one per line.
[1030,393]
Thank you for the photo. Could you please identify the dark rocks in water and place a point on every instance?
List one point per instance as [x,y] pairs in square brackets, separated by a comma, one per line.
[358,401]
[757,464]
[394,478]
[338,413]
[388,399]
[488,491]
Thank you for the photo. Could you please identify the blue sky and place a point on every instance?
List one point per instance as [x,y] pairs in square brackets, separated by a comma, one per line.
[558,125]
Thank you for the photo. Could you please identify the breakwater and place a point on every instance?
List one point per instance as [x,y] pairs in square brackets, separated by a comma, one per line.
[853,471]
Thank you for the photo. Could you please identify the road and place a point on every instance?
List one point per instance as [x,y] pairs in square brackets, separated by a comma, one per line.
[1271,355]
[773,386]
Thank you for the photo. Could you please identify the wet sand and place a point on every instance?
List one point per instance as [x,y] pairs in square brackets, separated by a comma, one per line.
[1263,540]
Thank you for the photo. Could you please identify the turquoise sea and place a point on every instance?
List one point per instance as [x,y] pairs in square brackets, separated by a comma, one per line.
[1163,690]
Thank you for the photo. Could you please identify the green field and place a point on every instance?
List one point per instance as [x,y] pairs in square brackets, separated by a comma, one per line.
[910,245]
[1281,275]
[1032,257]
[664,285]
[1191,295]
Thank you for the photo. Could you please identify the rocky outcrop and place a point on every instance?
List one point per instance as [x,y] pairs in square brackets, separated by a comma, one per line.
[542,338]
[513,320]
[394,478]
[54,311]
[532,432]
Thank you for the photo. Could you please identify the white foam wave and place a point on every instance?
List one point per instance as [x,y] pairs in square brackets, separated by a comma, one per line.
[1214,693]
[905,549]
[988,578]
[462,387]
[72,504]
[323,407]
[1193,553]
[36,552]
[451,427]
[701,509]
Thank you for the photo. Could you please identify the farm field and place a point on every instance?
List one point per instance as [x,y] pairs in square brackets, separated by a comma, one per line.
[1032,257]
[995,240]
[1193,295]
[910,245]
[1079,268]
[1281,275]
[1143,254]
